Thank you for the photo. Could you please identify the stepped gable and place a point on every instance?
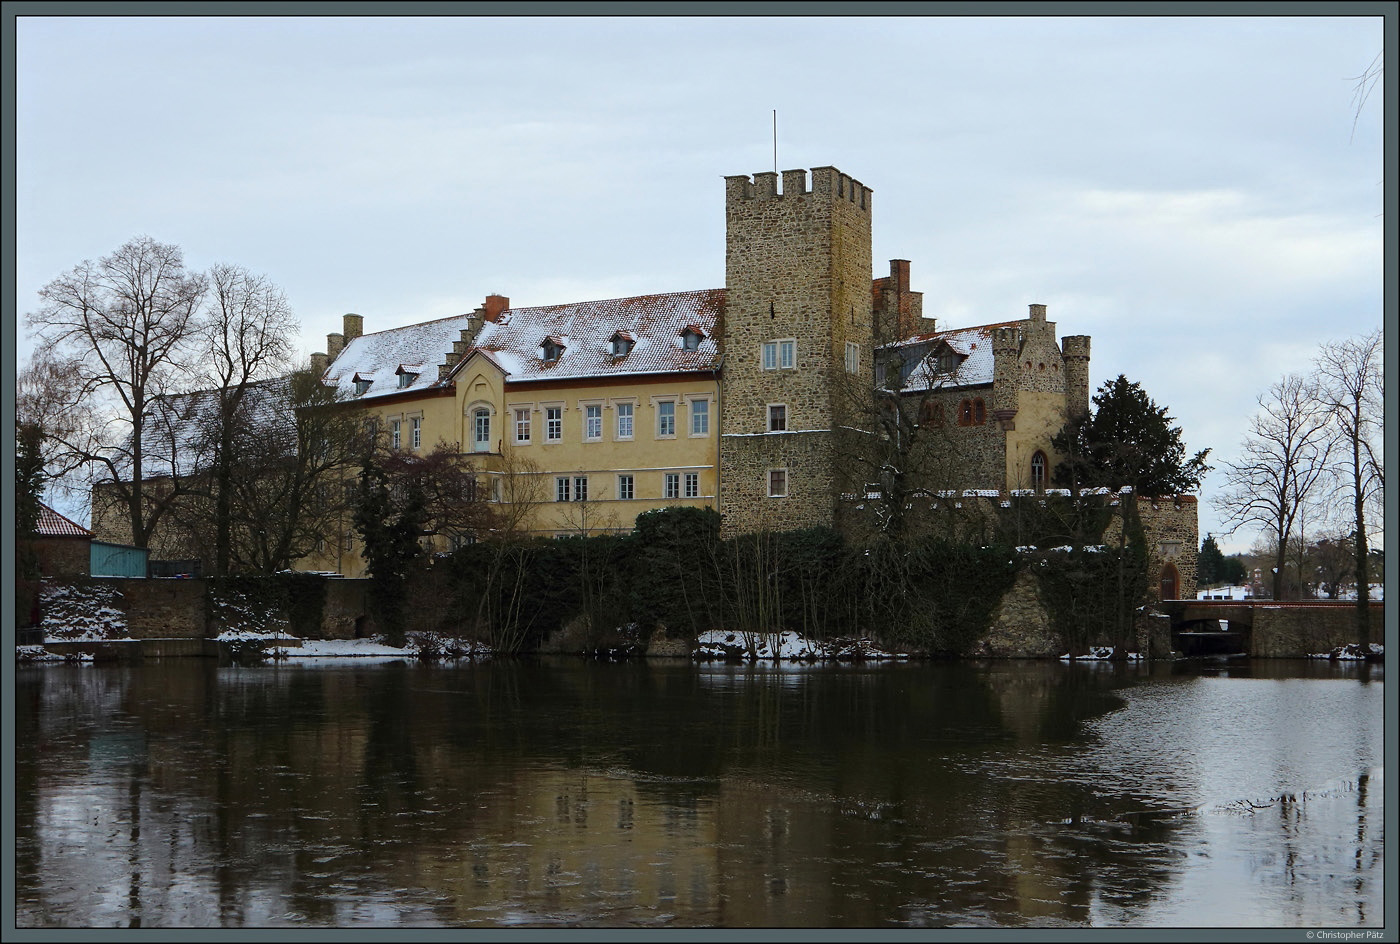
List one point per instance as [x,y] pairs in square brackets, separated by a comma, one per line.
[655,325]
[380,357]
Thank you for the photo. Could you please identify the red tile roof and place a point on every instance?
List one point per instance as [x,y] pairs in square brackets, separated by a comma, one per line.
[53,525]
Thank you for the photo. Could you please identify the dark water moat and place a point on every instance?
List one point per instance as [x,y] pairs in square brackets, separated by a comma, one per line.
[646,794]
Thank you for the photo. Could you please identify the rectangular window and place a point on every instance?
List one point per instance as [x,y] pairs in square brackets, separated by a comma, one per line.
[777,417]
[666,418]
[580,488]
[673,485]
[561,488]
[522,426]
[777,483]
[852,358]
[626,489]
[481,431]
[700,417]
[787,354]
[554,423]
[770,355]
[394,433]
[593,422]
[624,421]
[692,485]
[417,425]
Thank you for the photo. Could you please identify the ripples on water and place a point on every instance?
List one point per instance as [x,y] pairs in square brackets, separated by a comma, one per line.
[639,795]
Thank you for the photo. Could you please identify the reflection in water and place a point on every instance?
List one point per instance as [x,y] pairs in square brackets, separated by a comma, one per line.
[573,793]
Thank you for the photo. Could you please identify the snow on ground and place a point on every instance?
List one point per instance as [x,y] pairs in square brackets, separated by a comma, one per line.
[1099,654]
[40,654]
[786,646]
[1350,653]
[81,614]
[418,646]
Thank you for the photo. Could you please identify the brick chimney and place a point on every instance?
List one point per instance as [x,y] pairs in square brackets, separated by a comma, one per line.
[494,305]
[899,312]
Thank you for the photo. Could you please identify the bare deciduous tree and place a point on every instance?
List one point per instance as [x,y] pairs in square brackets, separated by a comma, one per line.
[246,337]
[1352,387]
[120,327]
[1282,461]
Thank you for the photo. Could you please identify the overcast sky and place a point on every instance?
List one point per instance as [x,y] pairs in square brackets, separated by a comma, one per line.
[1188,191]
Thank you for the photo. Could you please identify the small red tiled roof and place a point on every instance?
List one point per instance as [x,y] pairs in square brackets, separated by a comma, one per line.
[53,525]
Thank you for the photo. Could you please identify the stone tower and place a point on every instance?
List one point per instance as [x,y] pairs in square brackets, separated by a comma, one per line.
[797,293]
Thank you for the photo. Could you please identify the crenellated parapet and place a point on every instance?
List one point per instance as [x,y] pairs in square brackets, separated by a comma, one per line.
[826,182]
[1075,351]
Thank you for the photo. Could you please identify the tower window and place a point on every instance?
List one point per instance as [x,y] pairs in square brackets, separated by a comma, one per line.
[777,417]
[1038,471]
[780,355]
[777,483]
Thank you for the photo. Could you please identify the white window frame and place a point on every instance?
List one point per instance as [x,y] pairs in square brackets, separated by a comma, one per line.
[580,488]
[479,444]
[415,427]
[786,487]
[662,416]
[702,414]
[787,354]
[671,485]
[770,355]
[522,423]
[561,488]
[591,412]
[768,417]
[626,487]
[692,485]
[626,410]
[395,434]
[554,423]
[852,357]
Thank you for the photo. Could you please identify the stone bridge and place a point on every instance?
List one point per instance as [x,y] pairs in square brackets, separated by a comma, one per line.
[1266,628]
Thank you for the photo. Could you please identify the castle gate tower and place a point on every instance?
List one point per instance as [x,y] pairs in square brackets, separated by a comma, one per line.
[797,336]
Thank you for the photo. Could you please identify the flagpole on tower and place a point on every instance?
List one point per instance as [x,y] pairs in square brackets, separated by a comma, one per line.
[775,140]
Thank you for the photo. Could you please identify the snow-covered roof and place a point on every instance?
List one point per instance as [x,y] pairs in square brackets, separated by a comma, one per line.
[178,433]
[382,356]
[53,525]
[585,330]
[972,345]
[514,341]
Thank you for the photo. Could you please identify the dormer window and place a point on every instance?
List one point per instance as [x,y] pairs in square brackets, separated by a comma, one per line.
[406,379]
[551,349]
[362,385]
[691,337]
[622,344]
[945,361]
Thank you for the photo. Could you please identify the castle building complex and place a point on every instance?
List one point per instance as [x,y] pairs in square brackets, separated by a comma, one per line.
[733,398]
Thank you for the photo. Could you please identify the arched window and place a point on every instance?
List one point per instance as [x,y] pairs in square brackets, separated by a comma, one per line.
[931,414]
[979,412]
[481,430]
[965,413]
[1169,583]
[1038,471]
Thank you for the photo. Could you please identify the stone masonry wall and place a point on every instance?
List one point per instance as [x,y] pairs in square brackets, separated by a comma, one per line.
[745,462]
[797,266]
[1297,632]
